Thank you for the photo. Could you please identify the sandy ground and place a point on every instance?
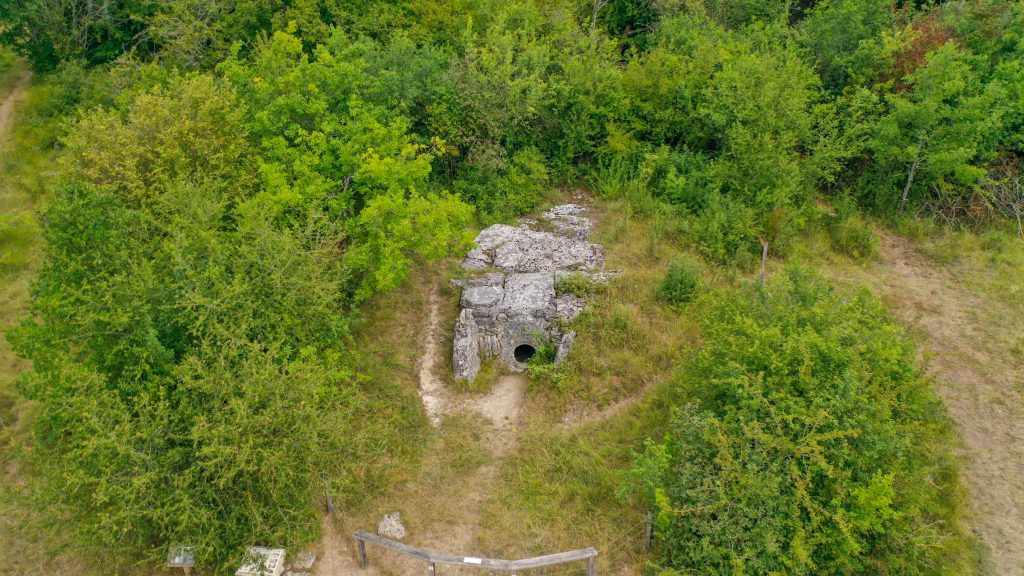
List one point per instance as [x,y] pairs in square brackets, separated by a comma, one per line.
[980,381]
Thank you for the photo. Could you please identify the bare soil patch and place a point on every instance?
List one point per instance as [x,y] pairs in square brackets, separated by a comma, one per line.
[441,507]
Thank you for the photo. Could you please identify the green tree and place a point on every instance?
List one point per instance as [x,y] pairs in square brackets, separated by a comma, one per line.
[933,138]
[55,31]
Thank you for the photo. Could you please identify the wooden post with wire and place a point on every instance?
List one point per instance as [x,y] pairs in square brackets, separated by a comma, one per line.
[648,530]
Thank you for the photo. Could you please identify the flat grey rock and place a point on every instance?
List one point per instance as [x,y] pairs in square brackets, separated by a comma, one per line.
[569,306]
[529,294]
[564,346]
[569,220]
[304,560]
[482,296]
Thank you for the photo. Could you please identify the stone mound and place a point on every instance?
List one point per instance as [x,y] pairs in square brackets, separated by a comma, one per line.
[512,308]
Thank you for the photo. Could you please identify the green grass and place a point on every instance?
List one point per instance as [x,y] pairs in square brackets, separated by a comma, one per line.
[627,339]
[20,243]
[11,68]
[989,261]
[558,491]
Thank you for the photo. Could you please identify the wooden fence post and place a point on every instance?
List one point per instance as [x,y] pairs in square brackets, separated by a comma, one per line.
[591,566]
[363,562]
[647,532]
[431,569]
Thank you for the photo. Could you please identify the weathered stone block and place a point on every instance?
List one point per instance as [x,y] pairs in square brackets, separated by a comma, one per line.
[466,353]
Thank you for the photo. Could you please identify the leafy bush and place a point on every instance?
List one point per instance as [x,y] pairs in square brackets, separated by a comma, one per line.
[506,190]
[7,59]
[848,232]
[680,283]
[811,444]
[725,231]
[546,353]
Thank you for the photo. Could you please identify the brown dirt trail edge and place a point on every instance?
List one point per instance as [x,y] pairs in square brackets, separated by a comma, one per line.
[979,380]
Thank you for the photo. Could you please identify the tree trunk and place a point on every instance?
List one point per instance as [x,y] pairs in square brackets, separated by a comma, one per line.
[598,4]
[911,173]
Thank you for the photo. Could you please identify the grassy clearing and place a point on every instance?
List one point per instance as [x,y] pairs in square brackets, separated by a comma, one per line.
[990,262]
[20,244]
[26,160]
[585,419]
[628,339]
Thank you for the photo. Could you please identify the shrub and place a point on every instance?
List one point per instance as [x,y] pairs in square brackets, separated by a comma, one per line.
[725,232]
[848,232]
[811,444]
[680,283]
[504,191]
[546,353]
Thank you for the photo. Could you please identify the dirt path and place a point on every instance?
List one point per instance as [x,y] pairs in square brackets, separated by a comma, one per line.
[980,382]
[431,386]
[452,518]
[8,105]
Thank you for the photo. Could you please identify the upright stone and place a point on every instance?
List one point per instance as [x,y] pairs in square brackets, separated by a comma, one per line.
[466,347]
[564,346]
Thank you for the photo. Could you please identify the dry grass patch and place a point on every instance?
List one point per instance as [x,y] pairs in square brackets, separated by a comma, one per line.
[627,339]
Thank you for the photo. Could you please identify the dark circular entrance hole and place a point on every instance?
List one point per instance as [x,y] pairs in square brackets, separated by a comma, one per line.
[524,352]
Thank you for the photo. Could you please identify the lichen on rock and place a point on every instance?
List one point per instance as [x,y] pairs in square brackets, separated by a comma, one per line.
[515,304]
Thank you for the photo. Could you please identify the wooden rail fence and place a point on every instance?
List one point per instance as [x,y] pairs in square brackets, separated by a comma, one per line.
[514,567]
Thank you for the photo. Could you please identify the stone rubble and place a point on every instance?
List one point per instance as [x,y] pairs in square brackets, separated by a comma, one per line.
[391,526]
[513,302]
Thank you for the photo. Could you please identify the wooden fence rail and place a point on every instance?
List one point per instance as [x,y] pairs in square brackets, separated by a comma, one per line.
[514,567]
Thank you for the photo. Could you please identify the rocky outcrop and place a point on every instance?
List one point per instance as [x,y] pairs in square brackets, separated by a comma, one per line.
[513,308]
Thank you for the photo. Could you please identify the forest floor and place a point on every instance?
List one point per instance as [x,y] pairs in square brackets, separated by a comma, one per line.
[977,373]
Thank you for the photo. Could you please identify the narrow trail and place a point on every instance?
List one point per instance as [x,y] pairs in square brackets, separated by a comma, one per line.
[501,408]
[456,528]
[14,293]
[9,104]
[980,383]
[431,387]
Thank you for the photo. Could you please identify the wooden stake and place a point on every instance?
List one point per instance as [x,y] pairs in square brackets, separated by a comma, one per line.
[764,258]
[362,553]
